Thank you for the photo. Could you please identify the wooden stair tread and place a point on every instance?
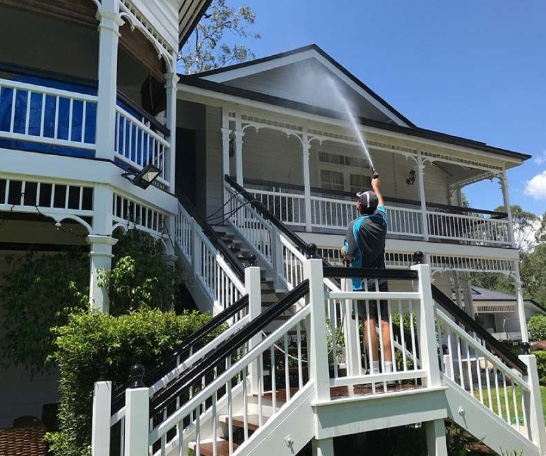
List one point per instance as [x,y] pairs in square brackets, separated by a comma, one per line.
[239,421]
[222,446]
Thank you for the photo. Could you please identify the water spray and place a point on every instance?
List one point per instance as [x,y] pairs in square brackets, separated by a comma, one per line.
[354,124]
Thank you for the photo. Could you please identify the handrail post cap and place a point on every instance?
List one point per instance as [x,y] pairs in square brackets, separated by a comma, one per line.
[136,376]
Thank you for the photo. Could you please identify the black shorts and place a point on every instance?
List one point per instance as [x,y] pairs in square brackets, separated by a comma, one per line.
[372,304]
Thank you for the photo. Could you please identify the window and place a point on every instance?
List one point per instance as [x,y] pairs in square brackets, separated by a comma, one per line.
[332,180]
[342,172]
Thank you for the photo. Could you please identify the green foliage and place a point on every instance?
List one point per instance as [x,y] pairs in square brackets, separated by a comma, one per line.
[541,366]
[205,49]
[139,277]
[39,293]
[91,341]
[537,327]
[532,269]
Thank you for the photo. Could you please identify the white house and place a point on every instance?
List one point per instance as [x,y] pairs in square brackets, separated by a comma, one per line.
[261,157]
[498,312]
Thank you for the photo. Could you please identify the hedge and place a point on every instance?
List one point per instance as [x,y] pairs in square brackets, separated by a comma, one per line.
[92,341]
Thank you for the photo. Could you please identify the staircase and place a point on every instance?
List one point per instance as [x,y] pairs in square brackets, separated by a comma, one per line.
[276,381]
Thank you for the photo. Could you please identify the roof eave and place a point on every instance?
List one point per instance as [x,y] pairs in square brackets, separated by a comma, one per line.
[194,80]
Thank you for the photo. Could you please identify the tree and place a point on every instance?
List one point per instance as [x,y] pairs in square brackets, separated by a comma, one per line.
[205,49]
[525,225]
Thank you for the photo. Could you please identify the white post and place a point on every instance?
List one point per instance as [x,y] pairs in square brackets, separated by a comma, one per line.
[226,132]
[351,334]
[318,362]
[521,304]
[110,23]
[101,261]
[100,433]
[277,257]
[171,80]
[427,327]
[323,447]
[196,249]
[137,415]
[506,198]
[253,288]
[239,149]
[533,404]
[436,438]
[422,196]
[306,180]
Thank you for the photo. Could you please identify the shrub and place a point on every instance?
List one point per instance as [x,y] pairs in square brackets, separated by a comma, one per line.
[139,277]
[541,366]
[40,292]
[537,327]
[92,341]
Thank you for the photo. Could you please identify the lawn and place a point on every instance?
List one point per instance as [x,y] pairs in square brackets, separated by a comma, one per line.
[502,396]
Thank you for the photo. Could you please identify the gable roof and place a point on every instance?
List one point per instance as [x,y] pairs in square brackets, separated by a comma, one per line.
[251,68]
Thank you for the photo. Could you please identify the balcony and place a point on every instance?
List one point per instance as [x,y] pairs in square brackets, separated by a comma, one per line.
[59,117]
[332,211]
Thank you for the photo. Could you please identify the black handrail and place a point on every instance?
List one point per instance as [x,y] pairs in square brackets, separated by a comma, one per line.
[163,365]
[370,273]
[461,317]
[213,237]
[266,213]
[227,348]
[388,199]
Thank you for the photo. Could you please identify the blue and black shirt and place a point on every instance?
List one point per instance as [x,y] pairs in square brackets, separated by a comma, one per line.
[365,241]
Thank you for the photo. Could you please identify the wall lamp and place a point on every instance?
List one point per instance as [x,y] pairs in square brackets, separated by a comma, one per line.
[145,177]
[411,177]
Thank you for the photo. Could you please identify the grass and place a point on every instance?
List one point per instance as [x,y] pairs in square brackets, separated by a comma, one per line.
[511,395]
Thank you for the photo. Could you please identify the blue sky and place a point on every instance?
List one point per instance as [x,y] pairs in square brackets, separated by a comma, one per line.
[471,68]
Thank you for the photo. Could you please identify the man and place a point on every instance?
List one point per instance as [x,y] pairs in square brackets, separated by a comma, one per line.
[365,248]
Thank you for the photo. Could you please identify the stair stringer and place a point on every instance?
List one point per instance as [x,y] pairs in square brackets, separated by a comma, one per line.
[288,431]
[483,424]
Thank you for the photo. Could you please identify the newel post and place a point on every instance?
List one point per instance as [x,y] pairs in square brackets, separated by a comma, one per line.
[427,327]
[318,353]
[100,431]
[137,414]
[533,403]
[253,288]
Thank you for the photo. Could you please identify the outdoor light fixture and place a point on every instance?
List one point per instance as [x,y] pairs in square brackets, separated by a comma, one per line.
[145,177]
[411,178]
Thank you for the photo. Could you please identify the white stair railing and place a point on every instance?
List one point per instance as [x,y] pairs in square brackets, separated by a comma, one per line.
[210,272]
[484,376]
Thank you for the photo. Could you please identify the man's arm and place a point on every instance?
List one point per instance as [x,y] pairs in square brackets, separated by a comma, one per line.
[376,184]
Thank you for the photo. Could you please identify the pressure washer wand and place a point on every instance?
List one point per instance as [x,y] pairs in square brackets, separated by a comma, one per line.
[375,174]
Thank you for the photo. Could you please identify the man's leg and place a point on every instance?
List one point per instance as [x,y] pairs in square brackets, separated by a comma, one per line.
[372,343]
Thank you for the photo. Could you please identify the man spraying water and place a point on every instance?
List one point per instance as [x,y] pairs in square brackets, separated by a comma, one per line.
[364,247]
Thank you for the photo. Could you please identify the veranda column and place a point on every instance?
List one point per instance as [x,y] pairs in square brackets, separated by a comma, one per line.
[225,150]
[108,14]
[521,305]
[239,149]
[306,180]
[422,197]
[171,80]
[101,243]
[506,199]
[101,260]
